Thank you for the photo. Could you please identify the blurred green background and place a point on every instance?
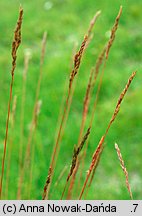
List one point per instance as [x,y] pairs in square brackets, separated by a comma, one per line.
[66,22]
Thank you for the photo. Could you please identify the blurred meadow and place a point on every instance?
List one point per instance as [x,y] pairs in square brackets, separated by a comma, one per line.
[66,22]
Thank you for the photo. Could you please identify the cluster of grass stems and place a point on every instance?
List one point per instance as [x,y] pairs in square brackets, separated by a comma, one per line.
[80,149]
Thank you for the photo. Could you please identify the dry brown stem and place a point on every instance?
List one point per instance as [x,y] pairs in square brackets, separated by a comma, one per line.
[94,161]
[94,169]
[95,166]
[15,44]
[69,195]
[86,105]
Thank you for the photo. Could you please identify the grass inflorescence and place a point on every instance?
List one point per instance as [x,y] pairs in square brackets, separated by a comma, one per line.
[28,151]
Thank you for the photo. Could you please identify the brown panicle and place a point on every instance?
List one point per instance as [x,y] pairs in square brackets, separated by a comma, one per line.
[100,145]
[117,108]
[94,160]
[77,60]
[76,152]
[46,184]
[114,29]
[124,170]
[92,23]
[17,40]
[15,44]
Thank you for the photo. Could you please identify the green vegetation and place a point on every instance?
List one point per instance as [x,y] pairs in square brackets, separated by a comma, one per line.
[66,22]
